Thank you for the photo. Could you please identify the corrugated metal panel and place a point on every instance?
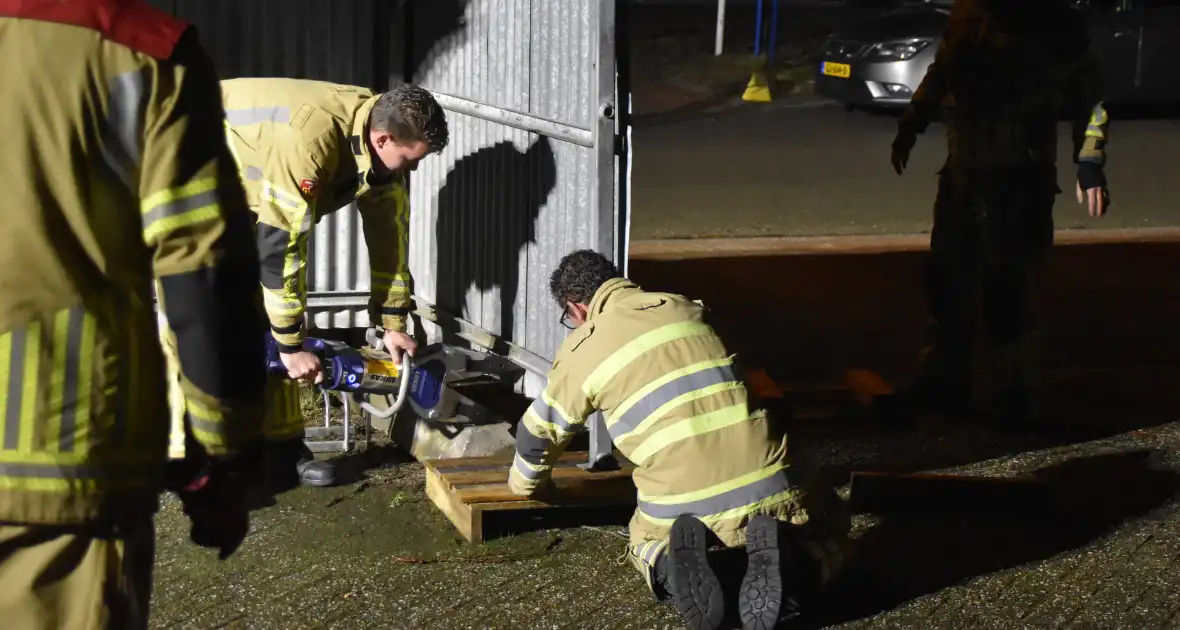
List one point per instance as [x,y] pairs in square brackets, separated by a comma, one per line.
[498,209]
[530,174]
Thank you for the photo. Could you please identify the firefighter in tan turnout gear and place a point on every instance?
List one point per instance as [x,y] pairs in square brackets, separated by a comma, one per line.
[710,469]
[306,149]
[117,178]
[1004,74]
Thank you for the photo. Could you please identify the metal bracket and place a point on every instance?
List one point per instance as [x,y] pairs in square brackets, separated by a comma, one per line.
[345,436]
[602,455]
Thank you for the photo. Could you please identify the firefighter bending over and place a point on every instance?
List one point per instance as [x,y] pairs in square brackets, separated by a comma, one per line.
[993,218]
[306,149]
[117,180]
[710,470]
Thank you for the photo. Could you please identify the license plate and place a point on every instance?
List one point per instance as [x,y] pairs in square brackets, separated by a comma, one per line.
[841,70]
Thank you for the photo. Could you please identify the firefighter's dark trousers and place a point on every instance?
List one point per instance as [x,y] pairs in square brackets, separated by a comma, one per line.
[992,230]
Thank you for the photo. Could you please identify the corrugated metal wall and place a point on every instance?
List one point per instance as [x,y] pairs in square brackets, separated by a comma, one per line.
[531,172]
[510,196]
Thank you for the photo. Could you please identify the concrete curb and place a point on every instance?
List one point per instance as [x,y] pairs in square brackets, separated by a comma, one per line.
[679,249]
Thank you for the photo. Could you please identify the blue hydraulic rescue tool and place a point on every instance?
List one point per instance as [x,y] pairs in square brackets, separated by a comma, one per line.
[426,382]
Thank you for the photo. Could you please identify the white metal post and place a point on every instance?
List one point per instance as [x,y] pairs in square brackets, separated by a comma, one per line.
[720,28]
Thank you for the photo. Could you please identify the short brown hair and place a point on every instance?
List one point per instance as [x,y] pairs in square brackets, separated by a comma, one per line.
[410,114]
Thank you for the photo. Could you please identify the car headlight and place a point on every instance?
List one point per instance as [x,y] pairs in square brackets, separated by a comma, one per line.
[899,50]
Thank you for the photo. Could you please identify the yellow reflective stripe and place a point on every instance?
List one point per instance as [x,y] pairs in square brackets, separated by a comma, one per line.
[714,490]
[195,187]
[31,387]
[202,412]
[689,427]
[542,428]
[86,367]
[623,357]
[281,199]
[57,375]
[663,409]
[178,208]
[280,305]
[740,512]
[5,370]
[622,409]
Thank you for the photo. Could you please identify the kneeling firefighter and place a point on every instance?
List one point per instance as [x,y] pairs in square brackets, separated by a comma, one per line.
[711,471]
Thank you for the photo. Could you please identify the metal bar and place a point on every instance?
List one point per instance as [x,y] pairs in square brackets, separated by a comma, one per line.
[720,45]
[517,120]
[758,29]
[602,196]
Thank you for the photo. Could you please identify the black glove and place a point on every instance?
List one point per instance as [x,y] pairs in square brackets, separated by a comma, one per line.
[1091,175]
[213,493]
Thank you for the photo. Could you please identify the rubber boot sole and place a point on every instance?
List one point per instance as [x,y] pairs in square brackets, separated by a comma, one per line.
[760,599]
[694,587]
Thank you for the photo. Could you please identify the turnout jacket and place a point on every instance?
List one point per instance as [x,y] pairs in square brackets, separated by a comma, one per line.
[674,406]
[303,151]
[117,180]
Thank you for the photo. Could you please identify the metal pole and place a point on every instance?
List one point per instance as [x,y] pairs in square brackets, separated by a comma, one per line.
[720,28]
[773,30]
[758,29]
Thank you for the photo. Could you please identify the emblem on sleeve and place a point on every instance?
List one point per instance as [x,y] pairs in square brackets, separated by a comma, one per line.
[308,186]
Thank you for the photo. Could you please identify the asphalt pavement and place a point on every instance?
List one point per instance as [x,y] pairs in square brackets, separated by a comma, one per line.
[805,166]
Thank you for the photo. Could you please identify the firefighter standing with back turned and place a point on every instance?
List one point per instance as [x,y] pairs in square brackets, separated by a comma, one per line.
[305,149]
[711,468]
[1005,71]
[116,178]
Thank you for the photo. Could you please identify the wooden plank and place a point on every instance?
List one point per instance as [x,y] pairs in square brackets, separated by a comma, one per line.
[469,522]
[892,492]
[480,486]
[762,386]
[874,393]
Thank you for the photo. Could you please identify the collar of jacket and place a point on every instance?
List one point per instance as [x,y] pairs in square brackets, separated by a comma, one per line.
[610,291]
[360,138]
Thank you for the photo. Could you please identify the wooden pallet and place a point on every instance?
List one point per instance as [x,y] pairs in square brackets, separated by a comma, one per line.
[473,491]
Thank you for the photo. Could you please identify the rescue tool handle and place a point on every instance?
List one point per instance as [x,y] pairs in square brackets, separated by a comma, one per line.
[402,388]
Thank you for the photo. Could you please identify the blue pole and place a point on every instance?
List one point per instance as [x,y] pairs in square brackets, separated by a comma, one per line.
[773,30]
[758,29]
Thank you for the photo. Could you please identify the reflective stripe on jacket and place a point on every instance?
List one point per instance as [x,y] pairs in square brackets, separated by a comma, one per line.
[302,147]
[673,406]
[116,178]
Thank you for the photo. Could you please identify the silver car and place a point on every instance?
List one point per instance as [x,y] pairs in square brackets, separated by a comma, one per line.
[881,61]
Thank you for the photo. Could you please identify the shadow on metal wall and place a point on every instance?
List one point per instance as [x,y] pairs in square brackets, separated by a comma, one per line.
[434,23]
[487,212]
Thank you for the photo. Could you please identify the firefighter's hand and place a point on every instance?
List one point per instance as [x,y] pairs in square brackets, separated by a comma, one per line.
[216,507]
[900,155]
[303,366]
[396,342]
[1092,190]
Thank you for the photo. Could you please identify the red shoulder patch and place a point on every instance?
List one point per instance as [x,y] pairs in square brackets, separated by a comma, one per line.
[309,186]
[132,23]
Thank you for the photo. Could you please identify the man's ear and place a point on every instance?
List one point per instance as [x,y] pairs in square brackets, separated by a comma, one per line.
[582,310]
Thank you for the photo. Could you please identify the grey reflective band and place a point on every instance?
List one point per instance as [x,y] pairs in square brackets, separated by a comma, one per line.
[253,173]
[124,127]
[70,394]
[529,447]
[666,393]
[255,115]
[177,207]
[550,415]
[524,470]
[729,500]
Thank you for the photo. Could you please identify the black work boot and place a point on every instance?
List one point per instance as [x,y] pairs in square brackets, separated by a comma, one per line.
[694,588]
[765,597]
[290,463]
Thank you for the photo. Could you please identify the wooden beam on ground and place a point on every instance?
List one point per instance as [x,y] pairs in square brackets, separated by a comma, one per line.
[916,492]
[472,492]
[762,386]
[874,393]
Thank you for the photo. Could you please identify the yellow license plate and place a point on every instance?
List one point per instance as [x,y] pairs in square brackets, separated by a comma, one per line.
[841,70]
